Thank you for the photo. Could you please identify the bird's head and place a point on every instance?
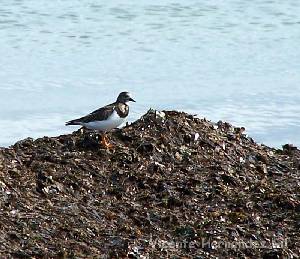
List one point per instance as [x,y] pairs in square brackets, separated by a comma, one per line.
[124,97]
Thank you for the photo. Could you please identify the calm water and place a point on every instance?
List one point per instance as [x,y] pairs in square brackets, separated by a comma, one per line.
[237,61]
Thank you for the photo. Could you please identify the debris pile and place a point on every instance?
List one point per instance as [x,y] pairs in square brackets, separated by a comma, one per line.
[173,186]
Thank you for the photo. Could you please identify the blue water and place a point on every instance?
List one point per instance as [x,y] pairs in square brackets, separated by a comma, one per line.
[237,61]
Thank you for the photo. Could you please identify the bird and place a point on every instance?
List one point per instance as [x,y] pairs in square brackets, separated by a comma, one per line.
[106,118]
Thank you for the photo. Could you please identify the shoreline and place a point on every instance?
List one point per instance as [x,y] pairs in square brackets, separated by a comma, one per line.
[262,136]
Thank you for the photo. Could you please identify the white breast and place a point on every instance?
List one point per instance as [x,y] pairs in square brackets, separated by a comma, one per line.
[106,125]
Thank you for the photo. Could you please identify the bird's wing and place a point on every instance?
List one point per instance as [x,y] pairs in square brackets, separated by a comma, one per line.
[104,109]
[97,115]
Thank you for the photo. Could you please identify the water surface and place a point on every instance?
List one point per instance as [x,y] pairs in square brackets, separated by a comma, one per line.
[224,60]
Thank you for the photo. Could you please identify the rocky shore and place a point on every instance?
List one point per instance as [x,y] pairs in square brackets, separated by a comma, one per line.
[174,186]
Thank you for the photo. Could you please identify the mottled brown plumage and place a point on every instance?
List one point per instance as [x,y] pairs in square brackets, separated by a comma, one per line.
[103,113]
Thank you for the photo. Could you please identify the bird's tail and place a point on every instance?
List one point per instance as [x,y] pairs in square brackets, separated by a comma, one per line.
[73,122]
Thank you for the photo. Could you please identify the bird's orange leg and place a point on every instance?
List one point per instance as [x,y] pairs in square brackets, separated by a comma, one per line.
[105,142]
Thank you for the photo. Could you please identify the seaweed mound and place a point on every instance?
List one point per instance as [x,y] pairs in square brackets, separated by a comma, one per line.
[173,186]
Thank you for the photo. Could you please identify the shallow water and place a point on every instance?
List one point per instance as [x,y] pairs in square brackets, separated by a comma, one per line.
[224,60]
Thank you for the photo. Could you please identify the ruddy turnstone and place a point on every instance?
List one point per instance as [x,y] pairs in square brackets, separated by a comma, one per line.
[106,118]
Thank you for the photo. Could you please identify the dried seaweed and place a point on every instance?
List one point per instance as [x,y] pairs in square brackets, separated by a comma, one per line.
[173,186]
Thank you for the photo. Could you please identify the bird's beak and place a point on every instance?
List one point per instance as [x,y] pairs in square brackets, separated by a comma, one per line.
[130,99]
